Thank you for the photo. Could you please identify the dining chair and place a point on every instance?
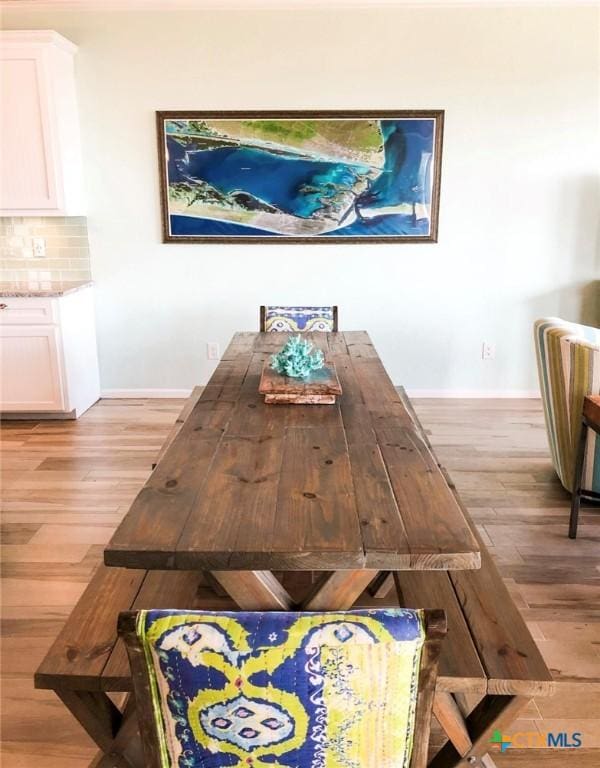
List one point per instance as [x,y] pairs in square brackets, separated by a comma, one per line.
[351,688]
[298,319]
[568,357]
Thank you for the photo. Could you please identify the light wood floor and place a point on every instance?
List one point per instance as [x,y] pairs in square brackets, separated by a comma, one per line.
[66,485]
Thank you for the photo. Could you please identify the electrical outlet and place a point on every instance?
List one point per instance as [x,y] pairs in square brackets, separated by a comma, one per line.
[39,247]
[488,351]
[212,350]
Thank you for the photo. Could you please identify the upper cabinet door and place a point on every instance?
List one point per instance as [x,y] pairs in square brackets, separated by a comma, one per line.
[40,152]
[27,155]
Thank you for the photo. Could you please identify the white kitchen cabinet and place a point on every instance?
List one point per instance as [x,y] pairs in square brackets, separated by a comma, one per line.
[31,371]
[40,147]
[48,358]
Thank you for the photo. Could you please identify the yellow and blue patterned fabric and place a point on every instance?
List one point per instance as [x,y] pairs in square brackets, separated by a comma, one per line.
[299,319]
[283,689]
[568,357]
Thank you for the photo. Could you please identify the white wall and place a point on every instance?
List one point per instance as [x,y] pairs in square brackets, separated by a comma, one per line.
[519,206]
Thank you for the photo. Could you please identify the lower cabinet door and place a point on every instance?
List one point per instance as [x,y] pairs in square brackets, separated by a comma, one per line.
[31,369]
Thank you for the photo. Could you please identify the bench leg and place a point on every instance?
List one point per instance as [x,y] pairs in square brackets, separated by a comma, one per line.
[111,761]
[113,731]
[450,717]
[493,713]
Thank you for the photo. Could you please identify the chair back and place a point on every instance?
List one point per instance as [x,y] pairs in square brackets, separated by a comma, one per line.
[352,688]
[568,358]
[298,319]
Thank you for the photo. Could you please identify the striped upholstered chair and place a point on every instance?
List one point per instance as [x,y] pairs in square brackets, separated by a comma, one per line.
[298,319]
[350,688]
[568,358]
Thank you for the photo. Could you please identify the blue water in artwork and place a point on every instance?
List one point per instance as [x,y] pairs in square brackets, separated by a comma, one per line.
[190,225]
[376,227]
[300,186]
[381,226]
[280,180]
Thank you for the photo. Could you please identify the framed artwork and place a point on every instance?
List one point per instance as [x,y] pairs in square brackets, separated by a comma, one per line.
[300,177]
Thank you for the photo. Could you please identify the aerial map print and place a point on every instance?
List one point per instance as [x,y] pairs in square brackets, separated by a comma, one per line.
[290,178]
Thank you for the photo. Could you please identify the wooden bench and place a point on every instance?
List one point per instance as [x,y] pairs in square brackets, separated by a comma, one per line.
[490,667]
[87,661]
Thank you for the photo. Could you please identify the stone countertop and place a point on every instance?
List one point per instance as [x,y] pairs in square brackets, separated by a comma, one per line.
[40,288]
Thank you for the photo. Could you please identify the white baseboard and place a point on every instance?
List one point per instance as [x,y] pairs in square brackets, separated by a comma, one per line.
[144,393]
[475,394]
[416,393]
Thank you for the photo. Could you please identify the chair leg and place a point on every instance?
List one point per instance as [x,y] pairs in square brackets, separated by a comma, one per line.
[578,481]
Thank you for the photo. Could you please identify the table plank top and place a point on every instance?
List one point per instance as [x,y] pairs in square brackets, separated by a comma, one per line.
[251,485]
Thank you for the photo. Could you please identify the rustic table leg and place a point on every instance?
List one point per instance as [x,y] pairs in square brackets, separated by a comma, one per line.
[254,590]
[493,713]
[214,584]
[382,585]
[261,591]
[338,590]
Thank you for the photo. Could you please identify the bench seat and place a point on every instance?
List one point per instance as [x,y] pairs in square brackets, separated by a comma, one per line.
[87,654]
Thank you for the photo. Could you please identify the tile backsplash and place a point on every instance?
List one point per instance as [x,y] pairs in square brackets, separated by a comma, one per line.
[65,240]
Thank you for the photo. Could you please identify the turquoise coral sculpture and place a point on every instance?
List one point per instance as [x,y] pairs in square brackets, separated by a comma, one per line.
[297,359]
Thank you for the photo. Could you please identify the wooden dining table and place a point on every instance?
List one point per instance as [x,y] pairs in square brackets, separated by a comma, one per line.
[248,488]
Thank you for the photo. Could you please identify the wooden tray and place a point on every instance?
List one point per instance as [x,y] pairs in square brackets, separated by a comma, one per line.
[321,388]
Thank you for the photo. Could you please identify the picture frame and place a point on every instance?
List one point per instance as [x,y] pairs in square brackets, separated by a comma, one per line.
[353,176]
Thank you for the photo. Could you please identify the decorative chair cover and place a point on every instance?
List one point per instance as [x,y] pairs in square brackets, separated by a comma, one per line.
[299,319]
[283,689]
